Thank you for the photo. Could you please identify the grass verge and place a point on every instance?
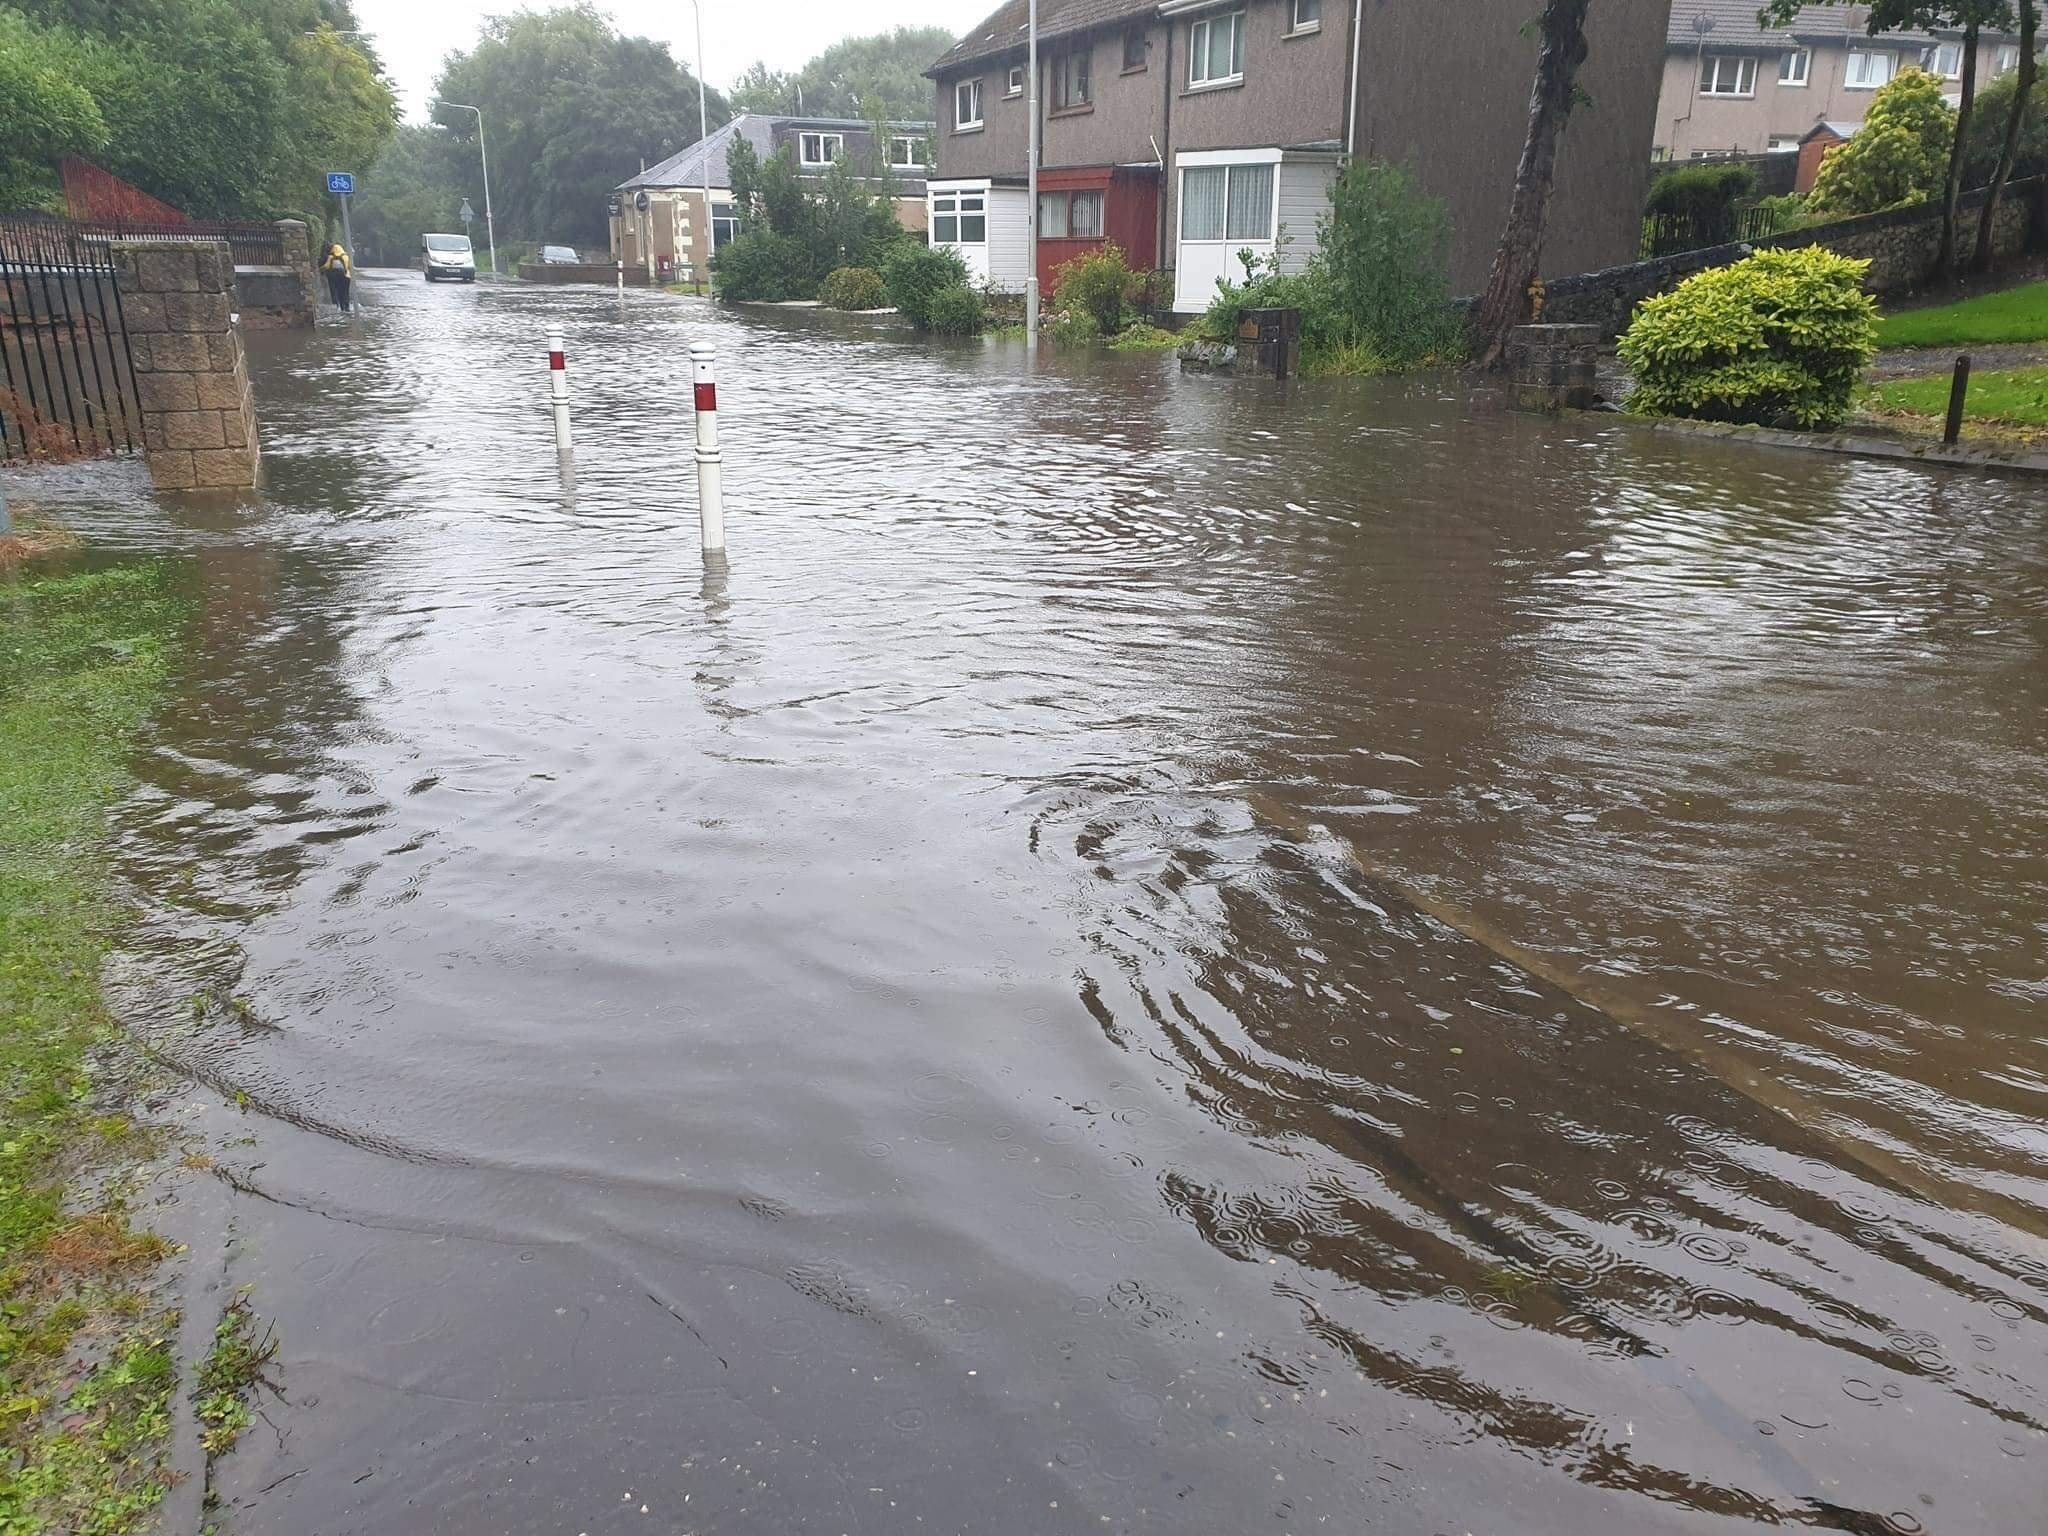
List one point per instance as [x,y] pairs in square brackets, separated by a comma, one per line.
[2017,314]
[2017,397]
[86,1367]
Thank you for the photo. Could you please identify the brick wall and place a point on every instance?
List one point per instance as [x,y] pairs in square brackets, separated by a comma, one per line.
[1901,245]
[198,420]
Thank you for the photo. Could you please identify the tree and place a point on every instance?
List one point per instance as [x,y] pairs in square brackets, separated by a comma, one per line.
[1897,155]
[48,114]
[1970,17]
[2015,127]
[403,195]
[881,76]
[1520,256]
[571,109]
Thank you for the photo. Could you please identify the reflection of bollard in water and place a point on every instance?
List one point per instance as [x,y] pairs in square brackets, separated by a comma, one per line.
[710,493]
[622,280]
[558,387]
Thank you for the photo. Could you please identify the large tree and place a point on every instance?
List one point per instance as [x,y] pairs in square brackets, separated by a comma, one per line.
[1516,263]
[2015,126]
[571,109]
[881,76]
[1970,18]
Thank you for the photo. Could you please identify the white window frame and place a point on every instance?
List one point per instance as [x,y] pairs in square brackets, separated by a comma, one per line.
[1718,65]
[1782,143]
[1795,69]
[1297,23]
[1859,78]
[1229,162]
[1014,84]
[1198,53]
[2008,60]
[1931,61]
[804,141]
[1076,64]
[959,206]
[913,146]
[971,90]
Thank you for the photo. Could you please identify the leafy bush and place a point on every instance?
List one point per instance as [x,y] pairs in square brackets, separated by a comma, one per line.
[1704,197]
[1784,214]
[955,311]
[1143,337]
[1386,254]
[1072,327]
[1780,339]
[854,288]
[1987,130]
[1098,284]
[914,274]
[765,267]
[1898,156]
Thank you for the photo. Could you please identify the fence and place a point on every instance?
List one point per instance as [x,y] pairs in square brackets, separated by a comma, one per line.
[253,244]
[1670,234]
[65,365]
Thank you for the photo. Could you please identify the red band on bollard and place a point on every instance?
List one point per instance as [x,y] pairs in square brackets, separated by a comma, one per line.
[707,397]
[555,360]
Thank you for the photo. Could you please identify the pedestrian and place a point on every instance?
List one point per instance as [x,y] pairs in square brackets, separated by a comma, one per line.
[335,265]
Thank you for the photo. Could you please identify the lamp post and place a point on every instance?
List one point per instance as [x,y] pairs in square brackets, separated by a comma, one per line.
[490,225]
[704,150]
[1031,190]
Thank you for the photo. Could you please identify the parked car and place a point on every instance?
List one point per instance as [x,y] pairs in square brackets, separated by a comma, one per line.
[558,255]
[448,256]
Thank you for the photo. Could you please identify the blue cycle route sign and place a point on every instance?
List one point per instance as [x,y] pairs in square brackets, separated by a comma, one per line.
[342,183]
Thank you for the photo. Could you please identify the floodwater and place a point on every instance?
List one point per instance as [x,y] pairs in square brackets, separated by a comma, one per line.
[1153,954]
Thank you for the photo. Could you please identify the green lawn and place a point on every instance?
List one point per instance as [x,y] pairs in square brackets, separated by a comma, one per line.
[82,665]
[2017,314]
[2017,397]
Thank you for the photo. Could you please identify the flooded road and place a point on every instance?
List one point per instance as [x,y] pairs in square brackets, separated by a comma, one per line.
[1154,955]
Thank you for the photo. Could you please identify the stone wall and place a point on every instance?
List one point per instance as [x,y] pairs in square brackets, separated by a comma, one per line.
[1902,246]
[198,420]
[284,297]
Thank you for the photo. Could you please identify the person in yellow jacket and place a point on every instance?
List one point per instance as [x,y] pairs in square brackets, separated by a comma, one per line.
[336,265]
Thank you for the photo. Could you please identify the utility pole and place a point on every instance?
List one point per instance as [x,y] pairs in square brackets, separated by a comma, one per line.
[1031,191]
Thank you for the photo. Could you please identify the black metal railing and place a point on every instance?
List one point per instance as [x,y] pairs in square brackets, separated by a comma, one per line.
[1670,234]
[65,366]
[252,243]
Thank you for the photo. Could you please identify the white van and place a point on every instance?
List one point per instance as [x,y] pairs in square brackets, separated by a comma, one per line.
[448,256]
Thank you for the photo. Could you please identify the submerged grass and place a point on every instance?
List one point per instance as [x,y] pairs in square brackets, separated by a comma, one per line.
[229,1376]
[2016,314]
[86,1369]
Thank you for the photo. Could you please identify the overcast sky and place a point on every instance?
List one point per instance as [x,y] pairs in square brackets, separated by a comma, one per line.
[413,36]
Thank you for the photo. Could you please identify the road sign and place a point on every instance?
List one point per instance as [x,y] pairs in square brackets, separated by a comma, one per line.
[342,183]
[468,213]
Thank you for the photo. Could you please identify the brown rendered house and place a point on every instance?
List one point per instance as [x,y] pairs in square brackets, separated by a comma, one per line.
[1192,130]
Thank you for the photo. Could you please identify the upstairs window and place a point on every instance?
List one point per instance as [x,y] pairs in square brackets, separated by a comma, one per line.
[1136,45]
[906,150]
[1070,87]
[1796,68]
[1216,50]
[1869,70]
[2008,60]
[1305,16]
[967,105]
[819,148]
[1728,74]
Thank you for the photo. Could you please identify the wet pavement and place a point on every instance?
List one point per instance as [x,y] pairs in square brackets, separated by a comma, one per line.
[1155,954]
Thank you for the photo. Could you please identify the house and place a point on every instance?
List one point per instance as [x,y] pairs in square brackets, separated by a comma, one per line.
[657,219]
[1190,131]
[1735,87]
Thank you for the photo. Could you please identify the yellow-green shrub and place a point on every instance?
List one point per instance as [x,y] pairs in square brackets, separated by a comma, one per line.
[853,288]
[1780,339]
[1899,155]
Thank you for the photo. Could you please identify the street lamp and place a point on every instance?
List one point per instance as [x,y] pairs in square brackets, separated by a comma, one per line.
[704,149]
[490,226]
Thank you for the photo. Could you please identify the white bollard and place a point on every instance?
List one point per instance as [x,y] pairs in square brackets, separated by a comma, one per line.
[710,493]
[622,279]
[558,387]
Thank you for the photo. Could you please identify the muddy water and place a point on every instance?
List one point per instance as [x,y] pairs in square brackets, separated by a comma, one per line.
[1153,955]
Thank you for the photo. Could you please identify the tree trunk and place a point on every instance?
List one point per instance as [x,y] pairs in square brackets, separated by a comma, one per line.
[1952,210]
[2015,125]
[1520,256]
